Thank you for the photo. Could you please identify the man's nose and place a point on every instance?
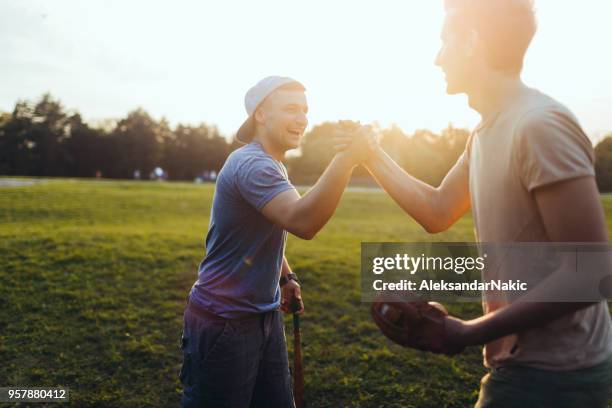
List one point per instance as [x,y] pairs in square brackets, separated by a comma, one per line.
[438,59]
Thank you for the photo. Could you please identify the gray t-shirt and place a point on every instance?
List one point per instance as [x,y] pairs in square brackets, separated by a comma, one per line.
[532,142]
[244,250]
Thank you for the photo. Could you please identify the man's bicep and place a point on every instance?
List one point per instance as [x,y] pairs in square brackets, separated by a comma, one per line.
[571,211]
[279,209]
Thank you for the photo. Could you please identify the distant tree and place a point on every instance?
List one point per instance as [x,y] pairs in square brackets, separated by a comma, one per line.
[4,165]
[137,141]
[603,164]
[50,130]
[188,151]
[424,154]
[431,156]
[33,139]
[88,149]
[218,150]
[43,139]
[15,148]
[4,117]
[396,143]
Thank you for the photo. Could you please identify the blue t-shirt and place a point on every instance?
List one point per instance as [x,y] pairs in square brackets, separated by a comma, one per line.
[244,250]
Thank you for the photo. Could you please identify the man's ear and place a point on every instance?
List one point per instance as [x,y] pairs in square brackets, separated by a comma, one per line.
[260,115]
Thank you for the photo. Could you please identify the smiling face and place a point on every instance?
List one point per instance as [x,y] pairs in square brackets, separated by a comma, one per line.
[282,117]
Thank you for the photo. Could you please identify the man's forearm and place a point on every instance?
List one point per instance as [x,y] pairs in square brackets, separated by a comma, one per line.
[417,199]
[530,311]
[285,268]
[516,318]
[317,206]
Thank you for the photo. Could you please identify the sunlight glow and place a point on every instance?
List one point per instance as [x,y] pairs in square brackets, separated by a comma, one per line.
[192,61]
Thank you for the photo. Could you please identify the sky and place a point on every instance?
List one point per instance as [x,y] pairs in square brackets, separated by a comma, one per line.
[192,61]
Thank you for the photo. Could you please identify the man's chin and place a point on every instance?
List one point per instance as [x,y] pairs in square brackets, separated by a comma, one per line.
[288,146]
[453,89]
[293,144]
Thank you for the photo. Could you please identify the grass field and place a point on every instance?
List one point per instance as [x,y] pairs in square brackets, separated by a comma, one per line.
[93,279]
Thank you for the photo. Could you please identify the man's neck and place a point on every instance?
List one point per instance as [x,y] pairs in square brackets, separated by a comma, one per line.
[494,92]
[270,148]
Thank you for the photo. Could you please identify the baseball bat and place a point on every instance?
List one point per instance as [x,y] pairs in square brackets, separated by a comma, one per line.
[298,372]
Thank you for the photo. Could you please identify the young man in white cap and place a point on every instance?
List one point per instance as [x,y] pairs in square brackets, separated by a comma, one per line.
[233,337]
[527,174]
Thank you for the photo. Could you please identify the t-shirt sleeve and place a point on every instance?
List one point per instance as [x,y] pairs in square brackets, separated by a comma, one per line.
[259,180]
[552,147]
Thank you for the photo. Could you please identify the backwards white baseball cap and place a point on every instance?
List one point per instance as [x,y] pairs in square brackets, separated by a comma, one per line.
[254,97]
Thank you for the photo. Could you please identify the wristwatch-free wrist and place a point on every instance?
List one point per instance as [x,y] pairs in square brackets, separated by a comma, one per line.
[286,278]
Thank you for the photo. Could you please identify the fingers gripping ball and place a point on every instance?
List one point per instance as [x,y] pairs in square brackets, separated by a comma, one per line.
[415,324]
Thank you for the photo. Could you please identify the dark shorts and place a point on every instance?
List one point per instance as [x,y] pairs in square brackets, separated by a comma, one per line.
[527,387]
[235,363]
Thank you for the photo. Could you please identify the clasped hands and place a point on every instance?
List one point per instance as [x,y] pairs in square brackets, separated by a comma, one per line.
[355,142]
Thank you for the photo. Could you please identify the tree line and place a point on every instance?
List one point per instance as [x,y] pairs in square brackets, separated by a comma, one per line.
[43,139]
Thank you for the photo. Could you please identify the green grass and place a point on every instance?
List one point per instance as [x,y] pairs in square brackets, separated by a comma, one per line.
[93,279]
